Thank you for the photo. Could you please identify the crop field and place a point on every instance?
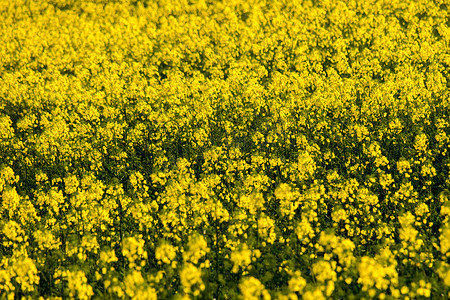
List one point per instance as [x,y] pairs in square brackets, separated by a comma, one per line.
[225,149]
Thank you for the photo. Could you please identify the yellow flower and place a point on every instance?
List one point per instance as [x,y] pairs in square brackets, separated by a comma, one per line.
[166,253]
[374,275]
[191,279]
[108,256]
[197,248]
[133,249]
[289,199]
[136,288]
[297,282]
[403,166]
[11,201]
[46,240]
[306,166]
[421,143]
[266,227]
[408,234]
[407,219]
[444,239]
[7,177]
[53,199]
[252,289]
[13,231]
[304,231]
[90,243]
[77,284]
[241,258]
[6,130]
[323,270]
[71,183]
[316,294]
[6,286]
[26,273]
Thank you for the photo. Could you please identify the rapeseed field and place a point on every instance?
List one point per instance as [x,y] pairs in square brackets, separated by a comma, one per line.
[224,149]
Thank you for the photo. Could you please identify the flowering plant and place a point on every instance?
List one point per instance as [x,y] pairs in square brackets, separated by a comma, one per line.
[224,149]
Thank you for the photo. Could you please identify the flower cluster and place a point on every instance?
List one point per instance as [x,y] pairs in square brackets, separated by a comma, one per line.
[240,149]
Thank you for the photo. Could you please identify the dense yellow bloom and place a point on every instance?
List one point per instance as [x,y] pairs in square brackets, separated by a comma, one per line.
[191,279]
[404,166]
[10,201]
[252,289]
[77,283]
[341,247]
[7,177]
[289,199]
[26,273]
[6,285]
[71,184]
[406,219]
[52,200]
[444,273]
[339,215]
[252,202]
[408,234]
[372,274]
[266,228]
[224,149]
[421,143]
[165,253]
[108,256]
[133,249]
[14,232]
[304,230]
[367,198]
[90,243]
[306,166]
[323,271]
[135,287]
[197,248]
[6,131]
[444,239]
[297,282]
[241,258]
[314,295]
[46,240]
